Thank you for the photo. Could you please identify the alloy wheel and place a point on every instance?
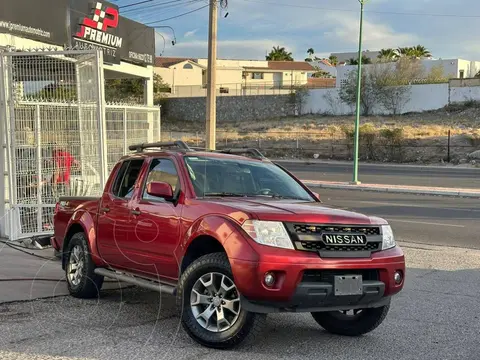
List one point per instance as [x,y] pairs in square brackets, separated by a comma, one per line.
[75,265]
[215,302]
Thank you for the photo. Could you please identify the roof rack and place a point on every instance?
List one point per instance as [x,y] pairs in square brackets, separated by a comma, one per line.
[160,145]
[252,152]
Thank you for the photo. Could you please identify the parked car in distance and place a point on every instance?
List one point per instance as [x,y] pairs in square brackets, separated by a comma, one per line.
[234,237]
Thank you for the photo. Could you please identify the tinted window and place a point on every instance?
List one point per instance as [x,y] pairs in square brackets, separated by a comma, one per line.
[213,176]
[126,178]
[162,170]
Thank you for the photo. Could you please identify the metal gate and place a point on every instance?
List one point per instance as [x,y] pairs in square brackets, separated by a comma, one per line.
[58,135]
[50,113]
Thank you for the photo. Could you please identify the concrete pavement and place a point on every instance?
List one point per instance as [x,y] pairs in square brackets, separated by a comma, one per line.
[25,277]
[434,317]
[391,174]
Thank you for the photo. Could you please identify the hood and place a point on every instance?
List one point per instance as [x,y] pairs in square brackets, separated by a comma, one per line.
[297,211]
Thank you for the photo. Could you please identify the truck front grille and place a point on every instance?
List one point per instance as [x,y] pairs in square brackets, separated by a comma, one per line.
[322,229]
[312,237]
[320,246]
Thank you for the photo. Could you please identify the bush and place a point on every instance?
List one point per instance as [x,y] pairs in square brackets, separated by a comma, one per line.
[393,140]
[367,134]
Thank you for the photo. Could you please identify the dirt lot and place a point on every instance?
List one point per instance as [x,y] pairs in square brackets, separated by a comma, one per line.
[410,138]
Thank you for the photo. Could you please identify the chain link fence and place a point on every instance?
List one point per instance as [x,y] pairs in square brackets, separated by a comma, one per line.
[337,145]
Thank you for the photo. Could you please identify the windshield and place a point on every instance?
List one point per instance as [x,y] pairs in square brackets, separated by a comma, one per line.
[231,177]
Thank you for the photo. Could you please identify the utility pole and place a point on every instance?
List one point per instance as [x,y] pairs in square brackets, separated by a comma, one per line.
[211,120]
[359,91]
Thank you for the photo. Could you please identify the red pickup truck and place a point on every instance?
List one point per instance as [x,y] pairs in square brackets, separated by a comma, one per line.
[234,237]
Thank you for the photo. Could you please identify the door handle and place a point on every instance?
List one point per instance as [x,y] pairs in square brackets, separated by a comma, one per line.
[136,212]
[105,209]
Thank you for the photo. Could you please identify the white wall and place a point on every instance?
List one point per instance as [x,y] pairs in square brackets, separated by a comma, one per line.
[422,98]
[462,94]
[451,68]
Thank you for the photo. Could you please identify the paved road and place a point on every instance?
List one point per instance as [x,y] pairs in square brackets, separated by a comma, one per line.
[380,174]
[418,219]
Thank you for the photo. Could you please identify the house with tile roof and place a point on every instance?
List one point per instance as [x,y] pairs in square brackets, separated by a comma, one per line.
[187,76]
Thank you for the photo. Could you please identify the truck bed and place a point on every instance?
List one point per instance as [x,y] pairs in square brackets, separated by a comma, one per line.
[66,207]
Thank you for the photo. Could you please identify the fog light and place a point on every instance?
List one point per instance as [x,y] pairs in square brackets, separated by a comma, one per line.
[397,277]
[269,279]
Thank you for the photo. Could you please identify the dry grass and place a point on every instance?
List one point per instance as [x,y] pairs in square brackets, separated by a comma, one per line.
[425,134]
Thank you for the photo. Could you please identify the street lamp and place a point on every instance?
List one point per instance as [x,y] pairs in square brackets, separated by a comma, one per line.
[359,90]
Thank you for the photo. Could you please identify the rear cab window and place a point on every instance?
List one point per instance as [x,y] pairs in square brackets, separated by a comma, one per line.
[126,178]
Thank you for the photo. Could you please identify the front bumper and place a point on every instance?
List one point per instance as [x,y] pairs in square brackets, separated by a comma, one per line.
[305,282]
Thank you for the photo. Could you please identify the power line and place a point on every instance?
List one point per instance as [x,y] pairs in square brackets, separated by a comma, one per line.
[150,6]
[152,14]
[369,11]
[134,4]
[177,16]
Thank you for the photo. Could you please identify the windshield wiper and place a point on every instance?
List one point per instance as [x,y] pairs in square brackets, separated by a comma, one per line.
[224,194]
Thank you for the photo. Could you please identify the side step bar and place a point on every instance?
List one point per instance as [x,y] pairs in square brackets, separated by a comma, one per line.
[144,283]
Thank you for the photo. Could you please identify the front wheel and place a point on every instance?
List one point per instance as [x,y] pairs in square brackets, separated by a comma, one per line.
[352,322]
[210,306]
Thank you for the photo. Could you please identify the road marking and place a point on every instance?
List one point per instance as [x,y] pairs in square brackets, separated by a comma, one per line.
[412,205]
[426,223]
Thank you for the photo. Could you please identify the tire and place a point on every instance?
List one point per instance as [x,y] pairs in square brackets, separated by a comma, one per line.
[85,284]
[362,323]
[243,327]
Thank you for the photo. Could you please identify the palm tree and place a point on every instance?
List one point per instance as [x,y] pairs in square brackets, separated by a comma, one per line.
[365,60]
[421,51]
[407,52]
[333,60]
[310,52]
[279,54]
[388,55]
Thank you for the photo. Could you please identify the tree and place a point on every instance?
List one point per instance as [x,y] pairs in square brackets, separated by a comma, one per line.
[348,92]
[437,75]
[405,52]
[418,51]
[384,84]
[393,82]
[320,73]
[421,51]
[365,60]
[333,60]
[310,53]
[387,55]
[131,89]
[279,54]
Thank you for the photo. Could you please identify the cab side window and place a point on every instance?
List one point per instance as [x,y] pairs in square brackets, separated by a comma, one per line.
[162,170]
[126,178]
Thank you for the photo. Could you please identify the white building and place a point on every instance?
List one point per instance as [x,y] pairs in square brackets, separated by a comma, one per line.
[188,77]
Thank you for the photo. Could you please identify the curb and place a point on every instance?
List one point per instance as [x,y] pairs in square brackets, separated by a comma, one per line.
[393,190]
[384,165]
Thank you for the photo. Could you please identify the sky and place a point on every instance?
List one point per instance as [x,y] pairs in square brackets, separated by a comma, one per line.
[449,29]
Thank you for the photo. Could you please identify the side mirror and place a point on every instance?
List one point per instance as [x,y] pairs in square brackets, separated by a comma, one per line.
[160,189]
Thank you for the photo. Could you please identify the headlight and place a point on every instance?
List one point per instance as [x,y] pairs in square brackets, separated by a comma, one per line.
[388,240]
[270,233]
